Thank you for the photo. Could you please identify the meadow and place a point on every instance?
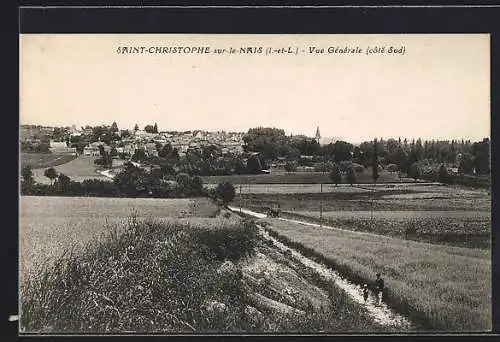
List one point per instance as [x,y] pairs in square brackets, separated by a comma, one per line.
[51,225]
[77,169]
[44,160]
[446,288]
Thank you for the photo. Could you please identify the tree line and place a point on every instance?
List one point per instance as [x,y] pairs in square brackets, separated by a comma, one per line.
[132,181]
[470,158]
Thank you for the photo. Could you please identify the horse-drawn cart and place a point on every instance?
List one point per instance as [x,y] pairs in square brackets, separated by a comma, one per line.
[274,211]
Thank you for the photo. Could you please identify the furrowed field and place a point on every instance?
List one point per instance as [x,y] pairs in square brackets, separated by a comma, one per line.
[448,288]
[439,214]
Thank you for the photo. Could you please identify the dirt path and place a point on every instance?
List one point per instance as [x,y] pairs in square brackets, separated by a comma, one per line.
[381,314]
[260,215]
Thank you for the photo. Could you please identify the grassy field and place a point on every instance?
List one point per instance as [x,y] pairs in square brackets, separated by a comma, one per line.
[77,169]
[179,275]
[449,288]
[301,178]
[44,160]
[49,225]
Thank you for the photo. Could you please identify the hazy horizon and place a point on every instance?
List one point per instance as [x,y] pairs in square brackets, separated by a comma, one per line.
[440,89]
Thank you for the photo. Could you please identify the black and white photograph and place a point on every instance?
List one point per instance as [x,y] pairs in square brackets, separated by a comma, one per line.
[254,184]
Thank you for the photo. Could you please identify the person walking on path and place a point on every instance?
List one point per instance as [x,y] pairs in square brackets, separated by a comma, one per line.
[365,292]
[379,288]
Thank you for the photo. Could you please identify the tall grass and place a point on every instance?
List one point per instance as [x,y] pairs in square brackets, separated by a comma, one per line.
[441,288]
[164,276]
[154,277]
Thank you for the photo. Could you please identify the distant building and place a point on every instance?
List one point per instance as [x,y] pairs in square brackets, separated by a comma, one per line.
[60,147]
[318,135]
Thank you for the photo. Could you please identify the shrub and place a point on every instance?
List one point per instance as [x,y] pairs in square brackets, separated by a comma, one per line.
[230,241]
[345,166]
[392,168]
[324,167]
[183,180]
[358,167]
[415,171]
[225,192]
[290,166]
[335,175]
[442,175]
[351,176]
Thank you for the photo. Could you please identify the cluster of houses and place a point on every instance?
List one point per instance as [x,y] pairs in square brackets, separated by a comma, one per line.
[183,142]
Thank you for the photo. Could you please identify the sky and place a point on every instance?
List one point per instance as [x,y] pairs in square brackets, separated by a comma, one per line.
[438,89]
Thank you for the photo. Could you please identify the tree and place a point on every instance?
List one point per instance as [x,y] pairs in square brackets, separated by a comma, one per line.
[149,129]
[351,176]
[290,166]
[443,175]
[51,174]
[139,155]
[165,151]
[225,192]
[342,151]
[254,165]
[196,185]
[131,180]
[481,156]
[63,182]
[136,127]
[183,180]
[238,166]
[336,175]
[27,175]
[155,128]
[465,164]
[415,171]
[375,174]
[114,127]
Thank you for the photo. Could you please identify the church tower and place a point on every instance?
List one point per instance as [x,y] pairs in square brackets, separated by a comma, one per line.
[318,135]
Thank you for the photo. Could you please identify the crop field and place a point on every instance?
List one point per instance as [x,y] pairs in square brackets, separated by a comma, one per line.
[438,214]
[77,169]
[450,287]
[44,160]
[301,178]
[49,225]
[399,198]
[463,229]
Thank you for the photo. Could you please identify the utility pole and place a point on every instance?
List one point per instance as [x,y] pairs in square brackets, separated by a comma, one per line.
[371,206]
[321,206]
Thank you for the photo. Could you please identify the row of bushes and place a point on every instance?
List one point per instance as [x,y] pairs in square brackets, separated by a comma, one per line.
[460,179]
[131,182]
[101,188]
